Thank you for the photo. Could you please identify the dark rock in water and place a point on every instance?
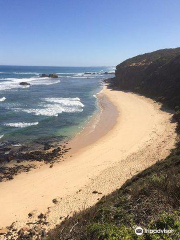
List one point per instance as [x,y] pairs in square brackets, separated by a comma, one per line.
[44,75]
[109,72]
[24,84]
[47,146]
[87,73]
[7,173]
[14,157]
[53,75]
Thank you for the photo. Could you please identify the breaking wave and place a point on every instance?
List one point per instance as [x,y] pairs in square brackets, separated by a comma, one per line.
[20,124]
[55,106]
[66,101]
[2,99]
[13,83]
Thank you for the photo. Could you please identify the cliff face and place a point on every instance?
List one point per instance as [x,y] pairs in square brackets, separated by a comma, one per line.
[155,74]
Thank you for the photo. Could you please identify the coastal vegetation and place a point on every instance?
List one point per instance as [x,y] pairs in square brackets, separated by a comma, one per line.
[151,199]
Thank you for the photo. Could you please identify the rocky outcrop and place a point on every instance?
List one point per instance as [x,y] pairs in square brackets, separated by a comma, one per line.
[24,84]
[44,75]
[111,72]
[15,159]
[155,74]
[51,75]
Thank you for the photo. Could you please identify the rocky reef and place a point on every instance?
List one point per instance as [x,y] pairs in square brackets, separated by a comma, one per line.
[16,158]
[51,75]
[24,84]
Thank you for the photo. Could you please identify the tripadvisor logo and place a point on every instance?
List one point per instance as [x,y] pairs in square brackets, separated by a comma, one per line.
[139,231]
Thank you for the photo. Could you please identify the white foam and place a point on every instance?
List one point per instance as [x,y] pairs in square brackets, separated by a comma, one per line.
[55,106]
[2,99]
[20,124]
[66,101]
[80,77]
[52,110]
[78,74]
[1,136]
[16,145]
[44,81]
[13,83]
[86,75]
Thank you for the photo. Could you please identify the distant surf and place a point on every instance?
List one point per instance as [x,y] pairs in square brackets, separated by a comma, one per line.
[2,99]
[14,83]
[44,108]
[21,124]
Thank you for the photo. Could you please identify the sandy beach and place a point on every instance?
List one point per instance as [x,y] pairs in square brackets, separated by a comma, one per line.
[131,134]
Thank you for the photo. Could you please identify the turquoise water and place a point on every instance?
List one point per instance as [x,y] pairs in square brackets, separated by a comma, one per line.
[47,108]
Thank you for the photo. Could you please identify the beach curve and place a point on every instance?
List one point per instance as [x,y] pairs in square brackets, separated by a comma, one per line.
[142,135]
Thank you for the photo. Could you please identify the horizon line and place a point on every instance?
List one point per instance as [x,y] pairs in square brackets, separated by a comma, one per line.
[50,65]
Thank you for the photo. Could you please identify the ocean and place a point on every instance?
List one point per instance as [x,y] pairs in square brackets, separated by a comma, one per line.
[49,109]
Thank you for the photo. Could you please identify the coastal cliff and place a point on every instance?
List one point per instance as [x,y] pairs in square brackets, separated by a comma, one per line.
[155,74]
[150,199]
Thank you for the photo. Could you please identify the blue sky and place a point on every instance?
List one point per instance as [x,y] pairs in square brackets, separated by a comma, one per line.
[85,32]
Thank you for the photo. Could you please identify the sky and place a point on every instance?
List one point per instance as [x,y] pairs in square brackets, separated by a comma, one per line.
[85,32]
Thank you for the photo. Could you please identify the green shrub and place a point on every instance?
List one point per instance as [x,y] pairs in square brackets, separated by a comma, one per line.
[168,222]
[111,232]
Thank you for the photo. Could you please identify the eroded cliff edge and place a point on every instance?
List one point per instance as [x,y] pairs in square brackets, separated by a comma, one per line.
[155,74]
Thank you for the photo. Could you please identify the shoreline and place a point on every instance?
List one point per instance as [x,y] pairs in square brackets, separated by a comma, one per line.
[49,153]
[89,135]
[106,115]
[142,131]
